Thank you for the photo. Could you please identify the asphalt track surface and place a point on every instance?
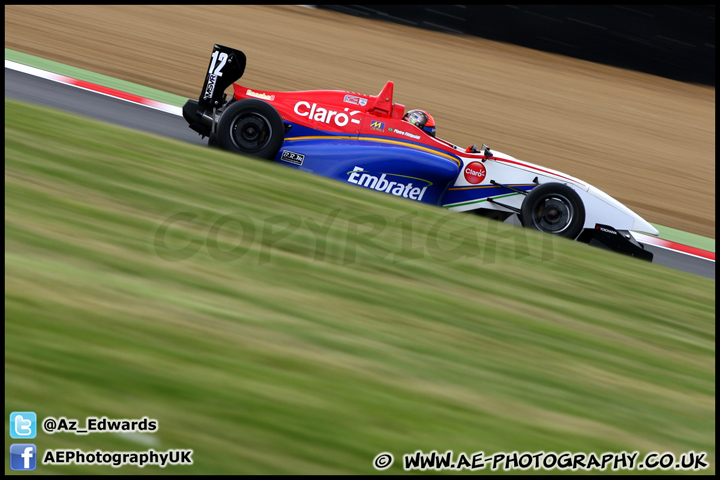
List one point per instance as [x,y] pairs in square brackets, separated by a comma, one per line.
[31,89]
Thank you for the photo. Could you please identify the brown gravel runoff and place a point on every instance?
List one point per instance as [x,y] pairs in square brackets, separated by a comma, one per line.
[647,141]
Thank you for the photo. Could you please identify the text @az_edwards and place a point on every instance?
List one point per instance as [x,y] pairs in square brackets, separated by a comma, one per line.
[99,425]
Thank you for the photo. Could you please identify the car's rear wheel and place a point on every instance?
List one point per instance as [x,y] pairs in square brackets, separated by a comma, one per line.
[251,127]
[553,208]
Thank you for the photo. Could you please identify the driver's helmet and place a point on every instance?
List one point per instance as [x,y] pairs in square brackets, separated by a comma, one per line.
[422,120]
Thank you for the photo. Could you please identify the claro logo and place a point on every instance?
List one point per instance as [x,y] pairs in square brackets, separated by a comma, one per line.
[323,115]
[475,172]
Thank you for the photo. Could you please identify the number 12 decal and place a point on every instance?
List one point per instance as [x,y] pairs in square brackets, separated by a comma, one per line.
[223,58]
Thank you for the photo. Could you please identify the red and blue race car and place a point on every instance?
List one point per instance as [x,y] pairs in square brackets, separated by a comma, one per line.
[371,142]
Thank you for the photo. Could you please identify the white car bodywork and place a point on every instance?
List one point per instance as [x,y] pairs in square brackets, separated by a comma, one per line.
[600,208]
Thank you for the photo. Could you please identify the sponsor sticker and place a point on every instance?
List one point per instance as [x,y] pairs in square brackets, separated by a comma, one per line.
[475,172]
[606,230]
[261,95]
[403,186]
[210,86]
[324,115]
[292,157]
[355,100]
[376,125]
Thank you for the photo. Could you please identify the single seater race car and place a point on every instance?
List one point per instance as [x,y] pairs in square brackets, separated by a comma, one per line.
[364,140]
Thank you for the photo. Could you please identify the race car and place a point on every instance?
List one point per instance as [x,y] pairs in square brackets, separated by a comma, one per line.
[373,143]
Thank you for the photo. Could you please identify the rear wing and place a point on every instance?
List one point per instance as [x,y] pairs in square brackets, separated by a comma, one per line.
[227,65]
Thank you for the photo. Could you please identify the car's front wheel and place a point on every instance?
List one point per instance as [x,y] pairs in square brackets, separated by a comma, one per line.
[251,127]
[553,208]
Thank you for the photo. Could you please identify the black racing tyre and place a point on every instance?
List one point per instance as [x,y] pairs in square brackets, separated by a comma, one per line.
[553,208]
[251,127]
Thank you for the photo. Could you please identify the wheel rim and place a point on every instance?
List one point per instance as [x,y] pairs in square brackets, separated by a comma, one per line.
[553,214]
[250,132]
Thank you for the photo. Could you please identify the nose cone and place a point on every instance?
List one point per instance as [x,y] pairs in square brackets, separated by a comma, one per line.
[642,226]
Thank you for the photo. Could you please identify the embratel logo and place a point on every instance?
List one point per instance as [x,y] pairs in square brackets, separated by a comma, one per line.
[399,188]
[475,172]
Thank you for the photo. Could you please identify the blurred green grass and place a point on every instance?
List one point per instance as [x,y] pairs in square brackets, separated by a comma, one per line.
[145,277]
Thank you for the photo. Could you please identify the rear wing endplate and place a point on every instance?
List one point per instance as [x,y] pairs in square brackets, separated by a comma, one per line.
[227,65]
